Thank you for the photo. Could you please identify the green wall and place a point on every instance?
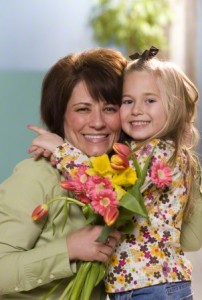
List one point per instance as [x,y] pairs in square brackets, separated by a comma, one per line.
[19,106]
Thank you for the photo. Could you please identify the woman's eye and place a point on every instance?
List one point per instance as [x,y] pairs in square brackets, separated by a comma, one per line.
[127,101]
[111,109]
[82,109]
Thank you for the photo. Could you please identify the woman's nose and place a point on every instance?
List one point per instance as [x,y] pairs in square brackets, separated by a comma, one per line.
[97,120]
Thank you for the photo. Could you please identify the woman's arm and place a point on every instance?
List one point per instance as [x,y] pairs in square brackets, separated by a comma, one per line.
[27,261]
[191,235]
[30,255]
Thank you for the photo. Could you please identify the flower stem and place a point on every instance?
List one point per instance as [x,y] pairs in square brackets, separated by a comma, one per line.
[67,199]
[79,281]
[66,290]
[52,290]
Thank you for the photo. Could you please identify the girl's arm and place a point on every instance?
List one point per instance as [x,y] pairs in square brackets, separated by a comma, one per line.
[44,143]
[62,154]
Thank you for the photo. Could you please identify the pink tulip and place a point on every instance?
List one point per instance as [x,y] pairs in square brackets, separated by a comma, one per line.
[119,162]
[121,149]
[111,215]
[40,212]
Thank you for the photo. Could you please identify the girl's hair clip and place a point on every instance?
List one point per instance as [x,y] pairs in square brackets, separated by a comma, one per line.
[146,55]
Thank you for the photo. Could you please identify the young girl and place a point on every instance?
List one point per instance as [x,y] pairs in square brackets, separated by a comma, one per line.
[159,101]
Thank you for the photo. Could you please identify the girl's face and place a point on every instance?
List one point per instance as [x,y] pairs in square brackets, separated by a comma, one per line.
[91,126]
[142,112]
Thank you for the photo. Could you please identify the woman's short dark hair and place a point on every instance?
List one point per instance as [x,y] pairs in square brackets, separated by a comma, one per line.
[102,71]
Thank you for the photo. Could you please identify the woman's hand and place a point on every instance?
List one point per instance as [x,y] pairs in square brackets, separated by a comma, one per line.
[82,244]
[44,143]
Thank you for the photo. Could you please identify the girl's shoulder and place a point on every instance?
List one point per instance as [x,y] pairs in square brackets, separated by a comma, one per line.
[161,149]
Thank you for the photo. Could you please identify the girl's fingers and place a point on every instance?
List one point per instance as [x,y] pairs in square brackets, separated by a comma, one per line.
[37,129]
[52,160]
[32,149]
[47,153]
[38,153]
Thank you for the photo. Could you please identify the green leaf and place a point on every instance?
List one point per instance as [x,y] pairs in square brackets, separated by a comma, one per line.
[94,219]
[58,212]
[104,234]
[124,216]
[53,224]
[136,165]
[146,166]
[53,227]
[87,211]
[128,227]
[132,204]
[66,214]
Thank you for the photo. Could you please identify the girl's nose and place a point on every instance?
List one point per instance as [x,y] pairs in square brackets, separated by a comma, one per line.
[137,109]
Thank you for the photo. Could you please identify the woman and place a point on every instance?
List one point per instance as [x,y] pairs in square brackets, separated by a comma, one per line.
[81,95]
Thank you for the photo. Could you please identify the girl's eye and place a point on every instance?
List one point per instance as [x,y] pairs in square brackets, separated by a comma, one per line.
[127,101]
[150,101]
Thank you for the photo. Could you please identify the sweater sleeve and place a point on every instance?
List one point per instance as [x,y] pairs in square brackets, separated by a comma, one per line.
[30,255]
[191,236]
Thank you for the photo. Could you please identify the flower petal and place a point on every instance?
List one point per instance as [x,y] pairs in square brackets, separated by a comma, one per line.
[40,212]
[122,149]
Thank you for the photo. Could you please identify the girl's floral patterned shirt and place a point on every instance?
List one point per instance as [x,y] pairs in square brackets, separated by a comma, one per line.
[152,254]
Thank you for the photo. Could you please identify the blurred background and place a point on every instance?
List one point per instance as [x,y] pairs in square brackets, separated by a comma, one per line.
[34,34]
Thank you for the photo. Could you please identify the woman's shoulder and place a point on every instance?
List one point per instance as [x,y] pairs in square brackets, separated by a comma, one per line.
[35,175]
[42,165]
[40,170]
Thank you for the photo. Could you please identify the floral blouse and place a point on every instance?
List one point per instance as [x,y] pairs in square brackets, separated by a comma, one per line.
[152,254]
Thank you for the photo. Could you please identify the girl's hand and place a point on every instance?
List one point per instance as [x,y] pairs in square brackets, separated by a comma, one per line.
[44,143]
[82,244]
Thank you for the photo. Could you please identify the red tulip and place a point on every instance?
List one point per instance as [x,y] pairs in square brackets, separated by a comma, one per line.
[121,149]
[40,212]
[119,162]
[111,215]
[73,185]
[67,184]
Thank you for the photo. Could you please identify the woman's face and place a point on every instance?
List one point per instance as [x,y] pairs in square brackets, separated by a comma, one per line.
[91,126]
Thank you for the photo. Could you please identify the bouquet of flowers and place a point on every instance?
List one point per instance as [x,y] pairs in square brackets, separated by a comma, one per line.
[109,193]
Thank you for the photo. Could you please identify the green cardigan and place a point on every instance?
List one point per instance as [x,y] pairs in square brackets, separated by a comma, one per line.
[31,257]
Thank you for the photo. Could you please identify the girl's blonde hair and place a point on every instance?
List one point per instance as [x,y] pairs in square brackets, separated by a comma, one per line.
[179,97]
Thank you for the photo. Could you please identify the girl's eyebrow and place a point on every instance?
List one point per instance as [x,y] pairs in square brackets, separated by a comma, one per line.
[146,94]
[126,95]
[151,94]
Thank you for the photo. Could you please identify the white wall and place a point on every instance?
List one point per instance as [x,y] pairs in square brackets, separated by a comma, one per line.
[36,33]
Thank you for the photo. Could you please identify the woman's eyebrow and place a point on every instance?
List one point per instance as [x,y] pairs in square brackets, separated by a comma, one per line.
[82,103]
